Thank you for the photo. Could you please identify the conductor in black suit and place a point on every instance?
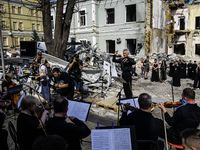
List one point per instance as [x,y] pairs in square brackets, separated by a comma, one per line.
[126,67]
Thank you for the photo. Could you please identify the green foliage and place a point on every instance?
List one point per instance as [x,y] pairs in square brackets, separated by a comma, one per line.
[35,36]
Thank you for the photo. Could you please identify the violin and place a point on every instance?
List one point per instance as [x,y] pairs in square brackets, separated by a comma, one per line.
[41,108]
[169,104]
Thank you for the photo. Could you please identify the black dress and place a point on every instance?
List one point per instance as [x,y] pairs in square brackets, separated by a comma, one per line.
[194,67]
[155,74]
[183,70]
[197,79]
[163,70]
[189,70]
[171,69]
[176,75]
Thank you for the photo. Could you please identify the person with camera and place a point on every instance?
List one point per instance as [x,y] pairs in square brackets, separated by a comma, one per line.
[75,67]
[44,79]
[63,84]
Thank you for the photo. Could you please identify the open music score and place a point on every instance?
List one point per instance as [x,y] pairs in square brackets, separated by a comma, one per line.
[78,109]
[133,102]
[111,139]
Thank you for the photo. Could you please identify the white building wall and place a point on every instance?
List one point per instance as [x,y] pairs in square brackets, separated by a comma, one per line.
[97,29]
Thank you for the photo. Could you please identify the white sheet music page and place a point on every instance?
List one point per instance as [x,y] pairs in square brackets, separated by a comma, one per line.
[136,103]
[101,139]
[79,110]
[122,139]
[111,139]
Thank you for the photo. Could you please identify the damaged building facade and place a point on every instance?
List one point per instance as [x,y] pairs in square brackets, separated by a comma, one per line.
[137,25]
[186,22]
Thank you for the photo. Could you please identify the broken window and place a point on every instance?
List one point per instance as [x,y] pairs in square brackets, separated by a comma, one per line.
[130,13]
[197,23]
[52,23]
[15,26]
[110,16]
[197,49]
[82,17]
[3,24]
[182,23]
[131,46]
[179,49]
[110,46]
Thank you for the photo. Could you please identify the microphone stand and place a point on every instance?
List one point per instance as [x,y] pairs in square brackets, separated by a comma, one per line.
[118,95]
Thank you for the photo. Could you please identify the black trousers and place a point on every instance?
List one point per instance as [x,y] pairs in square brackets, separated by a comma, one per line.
[196,80]
[128,85]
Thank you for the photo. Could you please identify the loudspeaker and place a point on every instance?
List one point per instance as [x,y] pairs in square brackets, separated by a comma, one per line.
[28,48]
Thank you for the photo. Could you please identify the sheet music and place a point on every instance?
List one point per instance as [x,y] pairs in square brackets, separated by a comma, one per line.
[136,103]
[79,110]
[113,69]
[111,139]
[106,66]
[131,101]
[101,139]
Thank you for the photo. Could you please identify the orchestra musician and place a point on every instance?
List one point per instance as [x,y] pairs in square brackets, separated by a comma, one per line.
[186,116]
[6,96]
[29,126]
[146,125]
[126,67]
[71,132]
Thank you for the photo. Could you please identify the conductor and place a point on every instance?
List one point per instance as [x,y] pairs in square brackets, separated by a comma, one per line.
[126,66]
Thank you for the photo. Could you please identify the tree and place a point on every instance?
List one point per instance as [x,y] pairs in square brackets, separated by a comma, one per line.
[56,46]
[35,36]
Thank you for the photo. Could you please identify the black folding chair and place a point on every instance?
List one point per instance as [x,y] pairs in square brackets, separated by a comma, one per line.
[13,134]
[147,145]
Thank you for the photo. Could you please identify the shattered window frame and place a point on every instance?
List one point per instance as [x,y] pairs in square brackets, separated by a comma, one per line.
[182,23]
[197,49]
[110,16]
[109,44]
[131,13]
[82,18]
[197,23]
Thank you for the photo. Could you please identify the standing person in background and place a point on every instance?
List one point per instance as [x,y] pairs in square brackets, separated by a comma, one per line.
[176,74]
[75,67]
[155,71]
[163,71]
[189,69]
[126,67]
[183,70]
[146,69]
[197,78]
[194,67]
[142,67]
[171,68]
[44,79]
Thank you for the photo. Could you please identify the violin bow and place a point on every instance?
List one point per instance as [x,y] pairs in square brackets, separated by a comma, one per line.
[165,130]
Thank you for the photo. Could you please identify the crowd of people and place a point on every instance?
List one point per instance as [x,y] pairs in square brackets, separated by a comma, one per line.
[176,69]
[61,132]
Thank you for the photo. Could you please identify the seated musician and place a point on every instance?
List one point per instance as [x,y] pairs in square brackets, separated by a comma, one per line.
[5,85]
[29,127]
[3,133]
[186,116]
[71,132]
[147,127]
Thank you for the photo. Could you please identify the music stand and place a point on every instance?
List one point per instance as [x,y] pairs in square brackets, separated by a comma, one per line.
[121,80]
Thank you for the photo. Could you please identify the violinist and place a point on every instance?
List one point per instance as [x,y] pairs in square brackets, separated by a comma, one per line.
[186,116]
[29,127]
[71,132]
[147,127]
